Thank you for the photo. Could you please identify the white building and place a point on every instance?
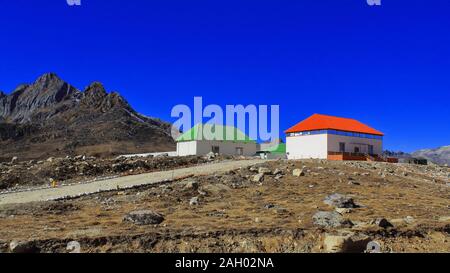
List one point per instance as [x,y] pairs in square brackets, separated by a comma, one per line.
[206,138]
[333,138]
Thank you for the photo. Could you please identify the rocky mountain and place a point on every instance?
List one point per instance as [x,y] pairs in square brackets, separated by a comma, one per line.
[52,118]
[439,156]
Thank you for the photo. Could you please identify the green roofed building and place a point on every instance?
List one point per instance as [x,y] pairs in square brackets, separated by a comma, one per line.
[273,150]
[218,139]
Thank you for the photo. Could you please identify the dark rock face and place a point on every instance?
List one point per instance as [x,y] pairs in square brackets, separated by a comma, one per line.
[26,100]
[52,118]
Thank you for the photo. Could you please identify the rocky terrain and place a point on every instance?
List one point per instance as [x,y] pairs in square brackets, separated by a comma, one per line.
[277,206]
[52,118]
[28,174]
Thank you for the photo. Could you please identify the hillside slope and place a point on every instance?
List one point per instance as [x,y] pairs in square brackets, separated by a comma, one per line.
[439,155]
[52,118]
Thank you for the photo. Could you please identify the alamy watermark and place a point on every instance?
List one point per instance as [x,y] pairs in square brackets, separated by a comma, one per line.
[73,2]
[374,2]
[235,123]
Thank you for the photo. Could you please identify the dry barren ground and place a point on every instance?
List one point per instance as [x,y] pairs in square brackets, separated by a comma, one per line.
[243,211]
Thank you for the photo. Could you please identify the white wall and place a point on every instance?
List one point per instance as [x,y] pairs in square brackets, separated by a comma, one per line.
[226,147]
[352,142]
[303,147]
[186,148]
[204,147]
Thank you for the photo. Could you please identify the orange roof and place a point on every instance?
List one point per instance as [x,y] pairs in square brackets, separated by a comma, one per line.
[323,122]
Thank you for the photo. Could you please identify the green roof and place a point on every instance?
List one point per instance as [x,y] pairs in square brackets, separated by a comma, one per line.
[218,132]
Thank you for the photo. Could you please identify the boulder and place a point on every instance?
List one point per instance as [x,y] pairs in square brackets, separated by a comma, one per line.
[258,178]
[210,156]
[14,160]
[409,219]
[382,222]
[215,188]
[265,171]
[194,201]
[298,172]
[345,243]
[340,201]
[191,185]
[23,247]
[73,247]
[330,220]
[343,211]
[144,217]
[277,172]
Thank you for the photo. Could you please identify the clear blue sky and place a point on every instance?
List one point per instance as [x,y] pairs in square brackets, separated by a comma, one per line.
[387,66]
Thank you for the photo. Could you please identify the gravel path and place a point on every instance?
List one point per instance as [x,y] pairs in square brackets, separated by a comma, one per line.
[122,182]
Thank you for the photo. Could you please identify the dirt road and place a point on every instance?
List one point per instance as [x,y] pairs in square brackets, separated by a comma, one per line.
[121,182]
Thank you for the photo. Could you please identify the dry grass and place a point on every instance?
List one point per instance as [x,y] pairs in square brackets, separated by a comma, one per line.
[237,220]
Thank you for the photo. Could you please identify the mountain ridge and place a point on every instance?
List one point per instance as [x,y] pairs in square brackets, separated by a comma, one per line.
[50,117]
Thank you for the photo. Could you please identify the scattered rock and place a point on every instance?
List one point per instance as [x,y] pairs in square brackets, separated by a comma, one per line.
[330,220]
[382,222]
[340,201]
[345,243]
[14,160]
[277,172]
[73,247]
[265,171]
[144,217]
[191,185]
[210,156]
[409,219]
[343,211]
[23,247]
[194,201]
[258,177]
[216,188]
[298,172]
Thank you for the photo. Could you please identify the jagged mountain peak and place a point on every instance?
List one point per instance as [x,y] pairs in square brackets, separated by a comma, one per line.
[28,100]
[50,117]
[48,77]
[94,92]
[2,94]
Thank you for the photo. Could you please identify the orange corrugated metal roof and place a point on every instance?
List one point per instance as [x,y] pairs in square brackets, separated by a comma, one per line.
[322,122]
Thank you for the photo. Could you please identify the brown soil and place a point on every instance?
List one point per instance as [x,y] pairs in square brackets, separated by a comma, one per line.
[237,215]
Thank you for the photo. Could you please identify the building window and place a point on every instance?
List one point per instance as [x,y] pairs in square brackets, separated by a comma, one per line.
[371,150]
[215,149]
[342,147]
[357,150]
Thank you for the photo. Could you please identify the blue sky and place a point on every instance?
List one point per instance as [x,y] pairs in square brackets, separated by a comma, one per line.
[387,66]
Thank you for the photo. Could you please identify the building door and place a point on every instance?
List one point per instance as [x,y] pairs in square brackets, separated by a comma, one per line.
[342,147]
[357,150]
[239,151]
[371,150]
[215,149]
